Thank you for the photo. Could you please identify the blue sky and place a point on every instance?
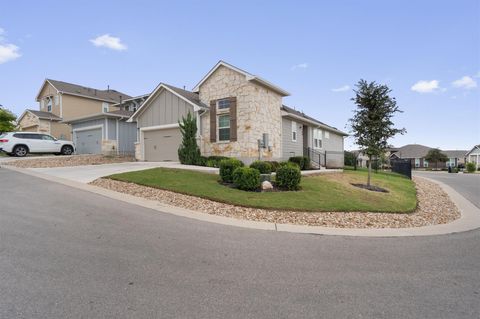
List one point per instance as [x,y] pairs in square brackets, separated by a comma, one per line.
[426,51]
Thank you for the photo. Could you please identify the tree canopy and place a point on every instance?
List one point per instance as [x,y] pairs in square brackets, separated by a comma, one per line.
[435,155]
[7,120]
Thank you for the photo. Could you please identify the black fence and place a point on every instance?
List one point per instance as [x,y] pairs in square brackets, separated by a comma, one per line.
[402,166]
[327,159]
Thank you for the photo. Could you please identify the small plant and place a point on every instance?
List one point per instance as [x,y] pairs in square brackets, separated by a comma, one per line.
[302,161]
[274,165]
[246,178]
[288,176]
[262,167]
[471,167]
[227,166]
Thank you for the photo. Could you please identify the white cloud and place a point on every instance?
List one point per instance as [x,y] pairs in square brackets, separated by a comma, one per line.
[465,82]
[299,66]
[425,86]
[8,51]
[342,88]
[108,41]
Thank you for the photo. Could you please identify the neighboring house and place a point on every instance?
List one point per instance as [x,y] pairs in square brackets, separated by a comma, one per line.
[416,153]
[107,133]
[238,115]
[473,156]
[362,159]
[61,101]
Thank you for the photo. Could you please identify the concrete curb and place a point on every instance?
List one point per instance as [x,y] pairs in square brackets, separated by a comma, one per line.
[469,220]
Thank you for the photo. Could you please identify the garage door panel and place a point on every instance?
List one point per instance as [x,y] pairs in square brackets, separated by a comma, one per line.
[162,145]
[89,141]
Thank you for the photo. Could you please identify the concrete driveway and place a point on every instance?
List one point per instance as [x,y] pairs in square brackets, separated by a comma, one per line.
[68,253]
[468,185]
[89,173]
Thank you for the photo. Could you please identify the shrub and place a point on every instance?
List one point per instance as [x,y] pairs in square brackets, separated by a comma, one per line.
[246,178]
[274,165]
[288,176]
[202,161]
[302,161]
[188,152]
[227,166]
[214,161]
[471,167]
[262,167]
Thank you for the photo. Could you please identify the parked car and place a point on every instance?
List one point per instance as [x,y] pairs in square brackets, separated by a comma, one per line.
[22,143]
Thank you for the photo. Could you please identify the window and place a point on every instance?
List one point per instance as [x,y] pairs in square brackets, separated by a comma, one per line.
[223,104]
[417,162]
[224,128]
[451,162]
[317,138]
[47,137]
[327,134]
[425,163]
[104,107]
[294,131]
[49,104]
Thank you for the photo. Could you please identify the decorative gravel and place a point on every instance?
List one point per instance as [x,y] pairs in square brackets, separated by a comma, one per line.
[434,207]
[64,161]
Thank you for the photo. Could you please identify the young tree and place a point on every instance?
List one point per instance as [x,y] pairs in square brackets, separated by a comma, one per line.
[188,152]
[7,120]
[371,123]
[435,155]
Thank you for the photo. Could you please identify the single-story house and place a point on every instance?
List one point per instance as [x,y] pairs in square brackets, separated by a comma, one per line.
[416,153]
[473,156]
[238,115]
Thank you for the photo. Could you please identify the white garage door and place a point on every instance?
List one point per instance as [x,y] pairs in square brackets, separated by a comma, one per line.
[162,145]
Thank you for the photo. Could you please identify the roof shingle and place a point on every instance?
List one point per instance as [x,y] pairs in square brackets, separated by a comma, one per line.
[105,95]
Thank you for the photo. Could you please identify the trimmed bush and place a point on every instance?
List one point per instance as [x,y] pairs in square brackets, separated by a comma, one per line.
[262,167]
[214,161]
[227,166]
[288,176]
[302,161]
[246,178]
[471,167]
[202,161]
[274,165]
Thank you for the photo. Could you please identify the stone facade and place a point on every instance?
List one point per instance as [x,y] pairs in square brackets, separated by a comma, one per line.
[109,147]
[258,112]
[138,151]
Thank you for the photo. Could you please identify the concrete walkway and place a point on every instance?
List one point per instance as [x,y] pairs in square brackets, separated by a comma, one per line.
[469,220]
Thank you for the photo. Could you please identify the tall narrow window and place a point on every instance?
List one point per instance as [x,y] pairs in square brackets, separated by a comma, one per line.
[294,131]
[105,107]
[417,162]
[49,104]
[224,127]
[317,138]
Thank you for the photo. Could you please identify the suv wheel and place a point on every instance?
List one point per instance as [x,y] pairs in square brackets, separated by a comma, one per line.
[67,150]
[20,151]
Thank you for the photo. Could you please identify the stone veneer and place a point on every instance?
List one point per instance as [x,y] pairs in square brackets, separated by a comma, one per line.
[258,112]
[109,147]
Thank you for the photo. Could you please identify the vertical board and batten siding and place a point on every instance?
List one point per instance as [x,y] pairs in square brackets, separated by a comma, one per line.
[166,108]
[291,148]
[127,136]
[112,129]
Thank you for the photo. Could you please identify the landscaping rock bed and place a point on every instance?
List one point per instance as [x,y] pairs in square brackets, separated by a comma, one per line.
[64,161]
[434,207]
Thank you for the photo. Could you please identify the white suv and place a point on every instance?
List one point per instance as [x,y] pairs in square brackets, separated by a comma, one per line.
[21,143]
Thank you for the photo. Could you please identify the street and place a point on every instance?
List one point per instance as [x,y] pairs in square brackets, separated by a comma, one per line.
[67,253]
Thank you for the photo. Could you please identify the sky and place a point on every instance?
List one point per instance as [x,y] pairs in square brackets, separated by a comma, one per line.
[427,52]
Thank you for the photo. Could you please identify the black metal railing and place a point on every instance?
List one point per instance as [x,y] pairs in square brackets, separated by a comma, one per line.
[317,158]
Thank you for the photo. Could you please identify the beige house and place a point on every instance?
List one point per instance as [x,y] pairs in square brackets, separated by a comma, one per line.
[61,101]
[473,156]
[238,115]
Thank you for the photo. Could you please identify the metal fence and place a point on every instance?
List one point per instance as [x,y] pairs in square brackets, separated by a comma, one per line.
[402,166]
[327,159]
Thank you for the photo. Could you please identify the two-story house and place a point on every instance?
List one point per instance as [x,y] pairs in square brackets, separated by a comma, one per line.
[61,101]
[238,115]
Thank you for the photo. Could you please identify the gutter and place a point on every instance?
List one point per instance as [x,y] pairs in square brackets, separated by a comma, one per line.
[326,127]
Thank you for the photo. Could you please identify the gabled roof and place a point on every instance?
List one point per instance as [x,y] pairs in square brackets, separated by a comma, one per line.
[249,76]
[302,116]
[412,151]
[189,97]
[473,148]
[119,114]
[41,115]
[109,95]
[455,153]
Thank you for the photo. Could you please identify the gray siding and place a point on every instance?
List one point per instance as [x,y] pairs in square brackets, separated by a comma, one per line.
[165,108]
[112,129]
[289,147]
[88,123]
[334,145]
[127,136]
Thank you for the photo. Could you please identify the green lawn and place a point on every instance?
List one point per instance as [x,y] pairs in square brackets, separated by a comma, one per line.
[331,192]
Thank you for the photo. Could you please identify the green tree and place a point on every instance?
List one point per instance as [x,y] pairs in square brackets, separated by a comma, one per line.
[188,152]
[7,120]
[435,155]
[372,123]
[350,159]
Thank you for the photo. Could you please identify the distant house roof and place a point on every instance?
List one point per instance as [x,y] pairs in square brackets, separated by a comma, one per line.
[299,114]
[119,114]
[124,113]
[44,115]
[455,153]
[473,149]
[249,77]
[109,95]
[412,151]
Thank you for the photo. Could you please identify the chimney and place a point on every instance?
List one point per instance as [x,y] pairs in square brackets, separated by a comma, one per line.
[95,91]
[108,88]
[184,87]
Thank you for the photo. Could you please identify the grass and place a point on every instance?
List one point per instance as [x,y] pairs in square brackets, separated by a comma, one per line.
[331,192]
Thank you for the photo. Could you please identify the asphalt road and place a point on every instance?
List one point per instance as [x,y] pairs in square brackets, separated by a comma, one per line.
[66,253]
[467,185]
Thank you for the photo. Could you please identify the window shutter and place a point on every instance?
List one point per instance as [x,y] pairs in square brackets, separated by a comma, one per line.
[233,119]
[213,121]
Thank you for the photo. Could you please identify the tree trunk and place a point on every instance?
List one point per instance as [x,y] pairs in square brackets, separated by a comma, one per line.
[369,170]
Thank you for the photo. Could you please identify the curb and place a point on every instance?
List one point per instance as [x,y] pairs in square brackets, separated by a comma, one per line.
[469,220]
